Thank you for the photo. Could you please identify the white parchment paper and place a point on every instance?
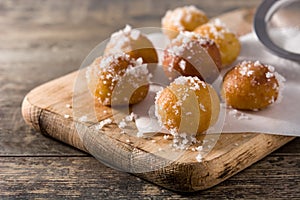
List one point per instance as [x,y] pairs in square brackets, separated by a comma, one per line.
[282,118]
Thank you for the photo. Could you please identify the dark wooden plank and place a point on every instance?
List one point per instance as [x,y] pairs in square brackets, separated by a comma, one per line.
[292,148]
[84,177]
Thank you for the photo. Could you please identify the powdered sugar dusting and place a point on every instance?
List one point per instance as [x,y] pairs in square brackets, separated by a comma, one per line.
[216,28]
[181,16]
[187,41]
[166,137]
[122,39]
[244,68]
[182,141]
[199,157]
[187,84]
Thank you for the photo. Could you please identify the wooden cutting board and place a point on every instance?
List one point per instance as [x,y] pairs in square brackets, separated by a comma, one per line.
[44,108]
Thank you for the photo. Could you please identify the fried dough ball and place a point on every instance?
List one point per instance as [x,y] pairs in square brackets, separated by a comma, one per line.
[105,73]
[251,86]
[185,54]
[185,18]
[132,42]
[226,41]
[187,105]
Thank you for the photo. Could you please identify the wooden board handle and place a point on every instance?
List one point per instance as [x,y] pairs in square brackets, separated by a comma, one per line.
[43,120]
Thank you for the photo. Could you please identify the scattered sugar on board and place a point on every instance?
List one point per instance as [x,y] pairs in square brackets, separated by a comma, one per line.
[199,157]
[140,134]
[66,116]
[199,148]
[128,118]
[182,140]
[182,65]
[103,123]
[131,117]
[166,137]
[122,124]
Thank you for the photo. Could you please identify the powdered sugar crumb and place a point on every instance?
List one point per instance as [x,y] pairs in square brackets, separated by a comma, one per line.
[188,113]
[199,157]
[183,14]
[66,116]
[238,115]
[199,148]
[187,41]
[121,39]
[166,137]
[182,65]
[103,123]
[202,107]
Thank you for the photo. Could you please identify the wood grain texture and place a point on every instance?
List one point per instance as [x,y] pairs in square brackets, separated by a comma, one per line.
[86,178]
[45,107]
[42,40]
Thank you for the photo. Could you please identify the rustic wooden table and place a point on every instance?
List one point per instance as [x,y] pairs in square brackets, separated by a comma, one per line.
[42,40]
